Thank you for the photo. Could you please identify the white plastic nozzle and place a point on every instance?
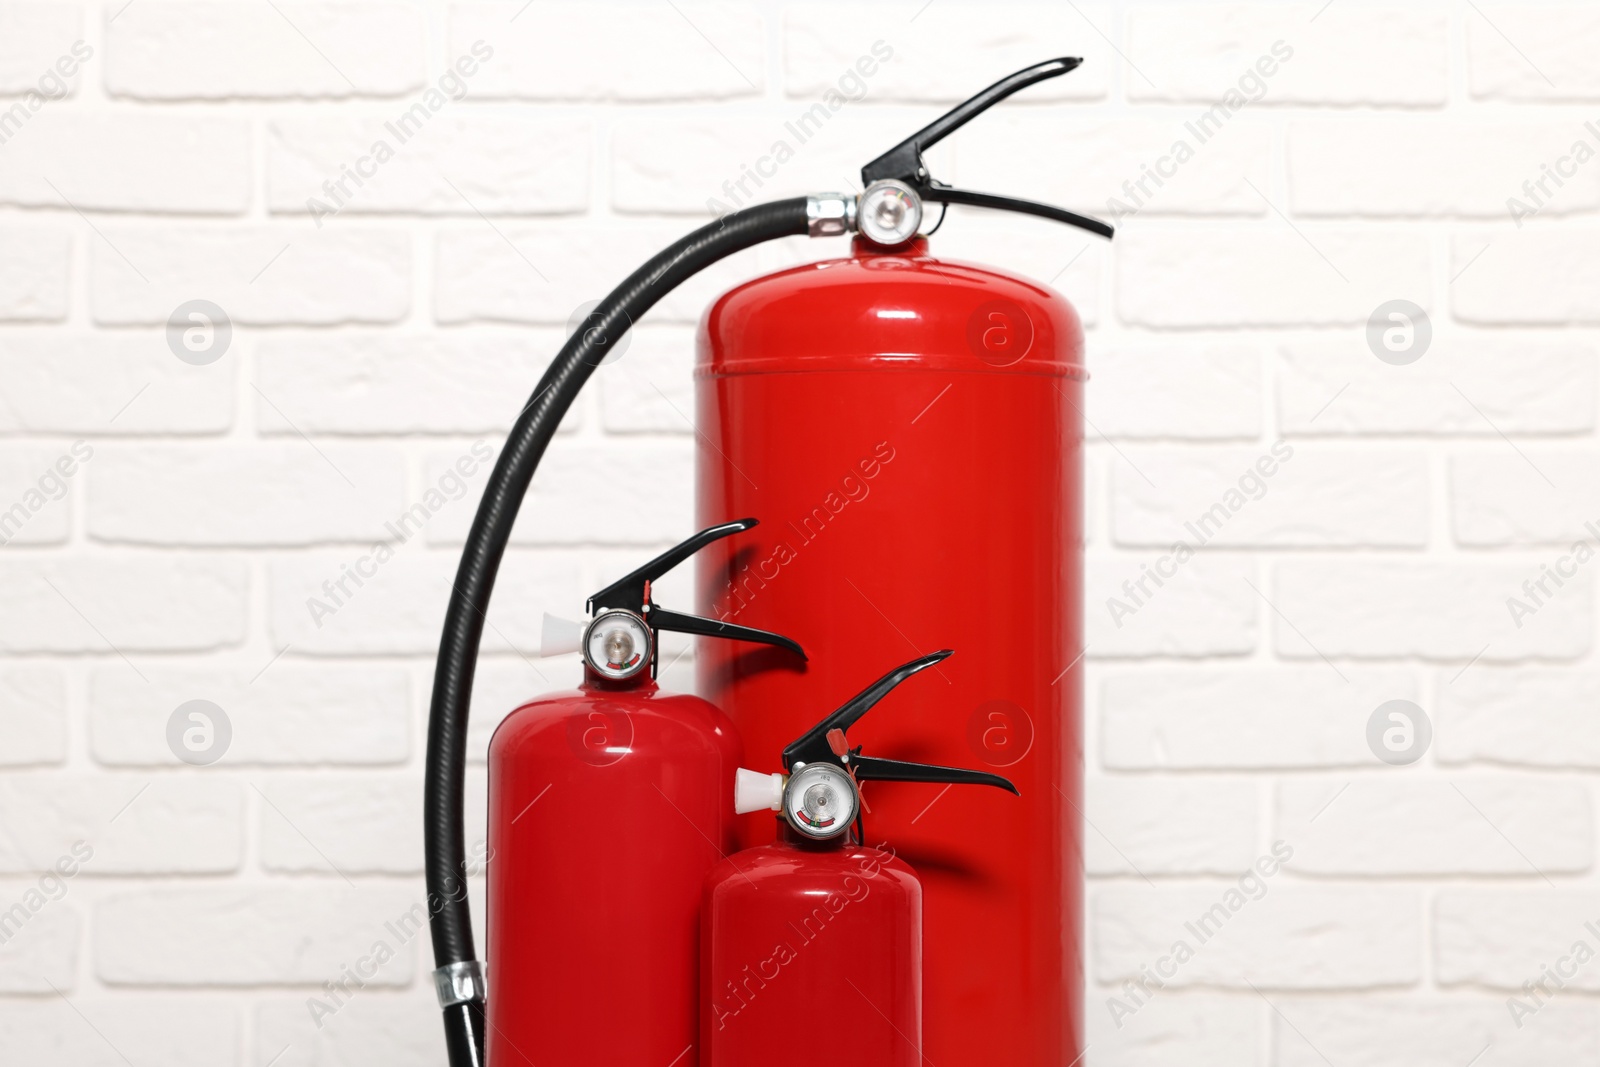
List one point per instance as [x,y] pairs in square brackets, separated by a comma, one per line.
[559,636]
[754,791]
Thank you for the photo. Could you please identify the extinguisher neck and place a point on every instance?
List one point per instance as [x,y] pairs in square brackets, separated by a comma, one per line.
[862,247]
[594,681]
[789,837]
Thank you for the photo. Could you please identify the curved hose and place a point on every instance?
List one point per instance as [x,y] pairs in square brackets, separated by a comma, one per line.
[449,913]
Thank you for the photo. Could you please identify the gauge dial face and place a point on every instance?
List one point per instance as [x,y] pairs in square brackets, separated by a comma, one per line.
[820,801]
[889,213]
[617,644]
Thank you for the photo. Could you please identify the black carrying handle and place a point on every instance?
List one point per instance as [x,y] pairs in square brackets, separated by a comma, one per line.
[813,744]
[873,769]
[943,194]
[632,593]
[677,622]
[904,161]
[818,743]
[628,592]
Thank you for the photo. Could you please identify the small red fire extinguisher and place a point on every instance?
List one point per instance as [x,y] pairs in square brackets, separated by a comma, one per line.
[818,918]
[607,806]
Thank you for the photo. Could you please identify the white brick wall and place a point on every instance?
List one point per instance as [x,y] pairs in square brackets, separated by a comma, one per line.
[391,311]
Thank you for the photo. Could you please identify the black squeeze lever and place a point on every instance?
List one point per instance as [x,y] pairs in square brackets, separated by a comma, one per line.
[904,161]
[632,593]
[824,741]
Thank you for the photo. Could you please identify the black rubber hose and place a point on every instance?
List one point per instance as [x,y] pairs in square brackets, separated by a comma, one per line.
[450,914]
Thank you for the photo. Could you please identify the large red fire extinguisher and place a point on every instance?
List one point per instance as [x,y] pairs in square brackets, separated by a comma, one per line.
[593,916]
[819,918]
[910,428]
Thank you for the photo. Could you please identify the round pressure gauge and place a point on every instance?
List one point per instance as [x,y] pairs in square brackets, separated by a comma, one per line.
[889,213]
[617,644]
[820,801]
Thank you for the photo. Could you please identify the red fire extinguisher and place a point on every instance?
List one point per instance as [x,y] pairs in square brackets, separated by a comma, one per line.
[819,919]
[940,508]
[901,417]
[606,808]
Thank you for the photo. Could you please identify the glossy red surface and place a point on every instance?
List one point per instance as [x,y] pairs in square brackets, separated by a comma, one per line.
[811,957]
[607,807]
[908,431]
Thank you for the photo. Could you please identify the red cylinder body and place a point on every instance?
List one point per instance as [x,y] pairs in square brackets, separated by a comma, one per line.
[812,954]
[607,807]
[909,432]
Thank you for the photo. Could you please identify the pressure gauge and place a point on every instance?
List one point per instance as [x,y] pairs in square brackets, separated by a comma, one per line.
[820,801]
[617,644]
[889,213]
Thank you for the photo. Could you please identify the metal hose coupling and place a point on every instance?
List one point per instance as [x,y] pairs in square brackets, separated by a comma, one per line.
[830,214]
[460,983]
